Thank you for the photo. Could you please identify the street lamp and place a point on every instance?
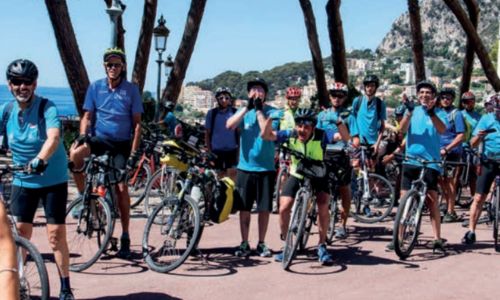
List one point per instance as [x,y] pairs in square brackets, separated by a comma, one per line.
[169,64]
[160,33]
[114,11]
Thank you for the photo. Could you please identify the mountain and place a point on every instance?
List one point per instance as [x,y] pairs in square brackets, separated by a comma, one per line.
[443,35]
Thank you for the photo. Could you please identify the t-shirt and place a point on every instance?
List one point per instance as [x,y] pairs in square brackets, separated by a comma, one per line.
[471,118]
[170,121]
[25,142]
[367,119]
[223,139]
[423,139]
[256,154]
[491,142]
[453,128]
[327,120]
[113,109]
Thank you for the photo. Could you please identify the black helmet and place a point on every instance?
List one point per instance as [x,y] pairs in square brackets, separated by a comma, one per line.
[22,68]
[223,90]
[305,114]
[371,78]
[448,91]
[114,52]
[257,81]
[169,105]
[427,84]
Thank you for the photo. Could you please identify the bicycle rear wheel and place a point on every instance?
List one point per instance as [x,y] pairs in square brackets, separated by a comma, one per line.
[295,229]
[462,199]
[280,182]
[334,215]
[164,182]
[407,224]
[137,181]
[378,205]
[170,233]
[89,228]
[496,219]
[33,278]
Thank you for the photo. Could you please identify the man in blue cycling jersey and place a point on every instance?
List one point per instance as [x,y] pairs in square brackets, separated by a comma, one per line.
[36,143]
[490,167]
[112,117]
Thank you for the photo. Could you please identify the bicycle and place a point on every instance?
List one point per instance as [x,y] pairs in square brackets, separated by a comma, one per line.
[304,204]
[464,179]
[33,277]
[90,219]
[283,173]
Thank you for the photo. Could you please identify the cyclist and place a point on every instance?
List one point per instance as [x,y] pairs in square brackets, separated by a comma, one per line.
[327,120]
[309,140]
[169,120]
[451,150]
[489,169]
[112,117]
[41,149]
[293,95]
[221,141]
[423,125]
[489,104]
[9,279]
[255,171]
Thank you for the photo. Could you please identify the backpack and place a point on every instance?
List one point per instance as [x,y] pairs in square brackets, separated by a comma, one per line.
[4,143]
[467,126]
[355,109]
[222,201]
[214,113]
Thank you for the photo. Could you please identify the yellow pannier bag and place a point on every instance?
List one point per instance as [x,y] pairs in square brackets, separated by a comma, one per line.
[222,201]
[170,158]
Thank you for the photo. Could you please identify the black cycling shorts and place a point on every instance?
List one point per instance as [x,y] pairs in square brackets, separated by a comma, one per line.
[226,159]
[254,186]
[489,170]
[292,185]
[411,173]
[24,203]
[120,151]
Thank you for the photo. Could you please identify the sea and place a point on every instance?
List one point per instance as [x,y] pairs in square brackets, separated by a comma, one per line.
[62,97]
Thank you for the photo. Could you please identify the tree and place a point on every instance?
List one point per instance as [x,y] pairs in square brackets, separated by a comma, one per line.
[336,33]
[183,56]
[416,40]
[315,49]
[473,10]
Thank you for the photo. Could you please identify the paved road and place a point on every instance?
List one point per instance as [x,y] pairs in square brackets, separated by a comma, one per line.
[362,269]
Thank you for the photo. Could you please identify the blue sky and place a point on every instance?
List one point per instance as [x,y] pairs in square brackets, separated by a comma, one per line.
[239,35]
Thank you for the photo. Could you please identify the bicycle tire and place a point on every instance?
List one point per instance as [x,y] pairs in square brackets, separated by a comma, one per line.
[78,233]
[185,216]
[295,228]
[159,187]
[137,188]
[38,284]
[311,216]
[496,219]
[334,215]
[463,202]
[379,209]
[277,188]
[409,213]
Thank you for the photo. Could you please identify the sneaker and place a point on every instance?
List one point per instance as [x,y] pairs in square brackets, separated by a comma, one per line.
[438,245]
[451,218]
[66,295]
[340,233]
[263,250]
[323,256]
[469,238]
[243,250]
[124,249]
[278,257]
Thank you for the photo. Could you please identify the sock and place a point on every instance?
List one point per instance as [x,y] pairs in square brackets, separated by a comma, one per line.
[65,286]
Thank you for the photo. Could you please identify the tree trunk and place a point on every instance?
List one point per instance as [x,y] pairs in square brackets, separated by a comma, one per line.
[473,10]
[416,40]
[144,44]
[336,33]
[68,50]
[120,39]
[312,36]
[183,56]
[476,41]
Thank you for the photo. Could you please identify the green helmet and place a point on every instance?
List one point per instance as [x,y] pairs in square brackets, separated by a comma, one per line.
[114,52]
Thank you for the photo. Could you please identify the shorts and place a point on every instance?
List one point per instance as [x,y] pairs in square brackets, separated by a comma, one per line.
[254,186]
[24,203]
[292,185]
[449,170]
[226,159]
[489,170]
[339,169]
[411,173]
[119,151]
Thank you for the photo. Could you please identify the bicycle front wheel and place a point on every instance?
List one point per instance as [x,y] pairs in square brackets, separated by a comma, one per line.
[311,216]
[407,224]
[280,182]
[295,228]
[496,209]
[33,278]
[137,181]
[334,215]
[377,204]
[170,233]
[89,228]
[164,182]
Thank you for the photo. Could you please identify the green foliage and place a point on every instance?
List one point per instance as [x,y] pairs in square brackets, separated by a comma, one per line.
[494,53]
[361,54]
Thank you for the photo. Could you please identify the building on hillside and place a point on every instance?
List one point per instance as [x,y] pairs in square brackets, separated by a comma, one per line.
[409,71]
[358,67]
[199,99]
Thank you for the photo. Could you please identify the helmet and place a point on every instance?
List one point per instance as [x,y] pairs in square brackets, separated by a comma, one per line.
[169,105]
[427,84]
[400,110]
[338,87]
[114,52]
[305,114]
[22,68]
[293,92]
[257,81]
[448,91]
[223,90]
[468,96]
[371,78]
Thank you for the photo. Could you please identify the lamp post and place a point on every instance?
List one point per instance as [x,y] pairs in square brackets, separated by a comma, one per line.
[169,64]
[114,11]
[160,33]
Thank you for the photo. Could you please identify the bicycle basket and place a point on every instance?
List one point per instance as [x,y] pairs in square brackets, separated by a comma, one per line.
[311,169]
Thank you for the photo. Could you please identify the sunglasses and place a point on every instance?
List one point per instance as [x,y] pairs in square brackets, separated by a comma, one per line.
[446,97]
[19,81]
[114,65]
[224,98]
